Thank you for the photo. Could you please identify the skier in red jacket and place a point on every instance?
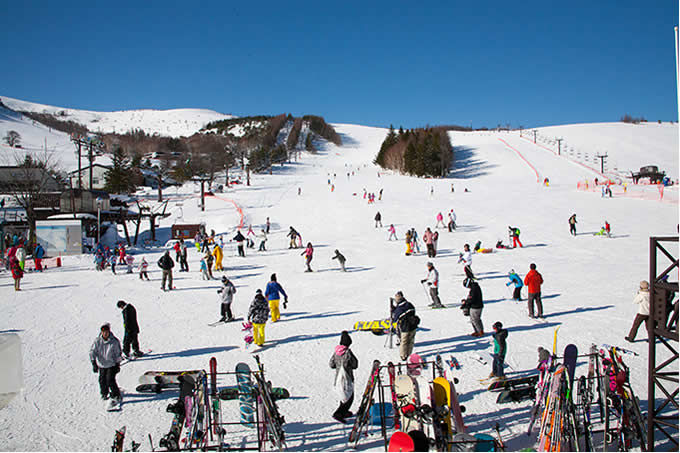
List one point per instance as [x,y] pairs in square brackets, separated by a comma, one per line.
[533,281]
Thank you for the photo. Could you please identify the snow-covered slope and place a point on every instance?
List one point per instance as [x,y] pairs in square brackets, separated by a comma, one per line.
[173,123]
[589,285]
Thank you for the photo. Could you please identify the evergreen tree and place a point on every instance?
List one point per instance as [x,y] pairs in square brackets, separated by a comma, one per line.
[117,179]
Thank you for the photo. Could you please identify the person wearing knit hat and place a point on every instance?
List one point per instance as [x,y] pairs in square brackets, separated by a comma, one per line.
[642,300]
[344,362]
[271,292]
[258,313]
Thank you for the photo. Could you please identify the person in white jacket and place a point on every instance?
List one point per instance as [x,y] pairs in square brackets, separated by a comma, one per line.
[263,238]
[466,258]
[432,281]
[642,299]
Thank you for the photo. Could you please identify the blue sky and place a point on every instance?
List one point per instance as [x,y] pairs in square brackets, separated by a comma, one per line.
[479,63]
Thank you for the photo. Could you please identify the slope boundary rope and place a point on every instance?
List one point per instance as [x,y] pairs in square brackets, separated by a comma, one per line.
[538,179]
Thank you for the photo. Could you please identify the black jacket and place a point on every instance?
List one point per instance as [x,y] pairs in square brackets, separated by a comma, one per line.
[165,262]
[401,312]
[130,319]
[239,237]
[474,298]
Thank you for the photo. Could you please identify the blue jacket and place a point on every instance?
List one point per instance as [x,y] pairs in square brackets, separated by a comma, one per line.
[272,291]
[514,278]
[39,251]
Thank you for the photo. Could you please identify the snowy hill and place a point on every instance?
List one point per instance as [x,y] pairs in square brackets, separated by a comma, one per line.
[589,285]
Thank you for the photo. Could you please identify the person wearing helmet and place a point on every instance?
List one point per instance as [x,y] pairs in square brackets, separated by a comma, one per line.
[517,281]
[475,304]
[226,294]
[500,348]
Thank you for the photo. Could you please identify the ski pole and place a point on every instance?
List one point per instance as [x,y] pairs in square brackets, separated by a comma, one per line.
[427,293]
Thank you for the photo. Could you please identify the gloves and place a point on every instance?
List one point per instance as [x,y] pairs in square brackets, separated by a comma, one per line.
[423,280]
[116,368]
[285,303]
[95,368]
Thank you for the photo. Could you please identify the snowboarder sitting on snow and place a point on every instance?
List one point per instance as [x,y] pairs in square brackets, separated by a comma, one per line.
[517,281]
[257,315]
[478,245]
[605,230]
[341,259]
[272,293]
[131,337]
[404,316]
[226,298]
[500,245]
[475,304]
[343,361]
[105,355]
[500,348]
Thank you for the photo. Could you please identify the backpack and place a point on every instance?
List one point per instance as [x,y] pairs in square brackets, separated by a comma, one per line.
[409,322]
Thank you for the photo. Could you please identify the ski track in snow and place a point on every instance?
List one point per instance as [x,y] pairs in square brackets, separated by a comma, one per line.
[589,286]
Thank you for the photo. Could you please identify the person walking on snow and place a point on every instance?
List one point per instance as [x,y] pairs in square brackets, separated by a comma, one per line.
[414,237]
[466,258]
[341,259]
[112,261]
[427,238]
[239,238]
[204,270]
[105,355]
[17,272]
[38,255]
[534,280]
[514,234]
[267,226]
[166,264]
[292,234]
[209,262]
[178,251]
[258,313]
[642,300]
[250,237]
[263,239]
[226,293]
[440,220]
[308,254]
[21,255]
[393,233]
[572,225]
[131,328]
[121,254]
[143,270]
[344,362]
[271,292]
[404,316]
[452,221]
[500,348]
[183,264]
[517,281]
[217,253]
[409,243]
[475,303]
[433,283]
[378,220]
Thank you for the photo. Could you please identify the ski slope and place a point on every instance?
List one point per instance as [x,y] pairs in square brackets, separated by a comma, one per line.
[589,286]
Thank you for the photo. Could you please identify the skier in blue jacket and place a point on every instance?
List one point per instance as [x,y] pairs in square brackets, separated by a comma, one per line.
[272,294]
[514,278]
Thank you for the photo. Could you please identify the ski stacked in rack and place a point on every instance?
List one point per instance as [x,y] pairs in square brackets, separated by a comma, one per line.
[272,418]
[362,414]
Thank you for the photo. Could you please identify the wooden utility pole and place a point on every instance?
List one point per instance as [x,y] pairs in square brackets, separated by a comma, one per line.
[534,137]
[602,158]
[559,146]
[79,141]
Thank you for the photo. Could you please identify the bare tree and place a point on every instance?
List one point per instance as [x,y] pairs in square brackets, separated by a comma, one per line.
[13,139]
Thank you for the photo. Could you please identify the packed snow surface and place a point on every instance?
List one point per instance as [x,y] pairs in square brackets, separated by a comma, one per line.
[590,283]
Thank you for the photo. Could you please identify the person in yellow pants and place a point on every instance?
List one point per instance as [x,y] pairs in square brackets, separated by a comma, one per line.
[258,313]
[273,294]
[217,253]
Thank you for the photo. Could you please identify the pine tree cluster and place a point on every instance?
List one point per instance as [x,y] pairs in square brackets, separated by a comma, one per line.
[418,152]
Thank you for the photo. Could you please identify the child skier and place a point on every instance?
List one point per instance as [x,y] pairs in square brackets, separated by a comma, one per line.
[309,254]
[143,270]
[393,233]
[517,281]
[341,259]
[440,220]
[500,347]
[343,361]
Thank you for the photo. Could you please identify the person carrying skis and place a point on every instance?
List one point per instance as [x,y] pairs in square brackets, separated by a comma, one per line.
[427,238]
[217,253]
[404,316]
[440,220]
[500,348]
[263,239]
[166,264]
[475,304]
[393,233]
[38,255]
[466,258]
[378,220]
[517,281]
[258,313]
[143,270]
[292,234]
[341,259]
[514,234]
[572,225]
[105,355]
[226,293]
[131,337]
[308,254]
[272,293]
[642,300]
[433,284]
[344,362]
[239,238]
[534,280]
